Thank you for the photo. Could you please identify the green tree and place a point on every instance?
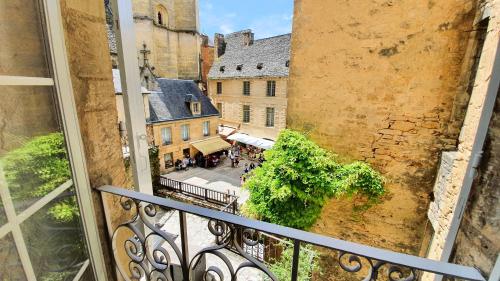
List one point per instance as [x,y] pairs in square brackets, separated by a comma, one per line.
[297,178]
[37,168]
[32,171]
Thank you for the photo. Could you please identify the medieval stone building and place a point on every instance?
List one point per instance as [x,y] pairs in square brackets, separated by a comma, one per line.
[168,39]
[248,82]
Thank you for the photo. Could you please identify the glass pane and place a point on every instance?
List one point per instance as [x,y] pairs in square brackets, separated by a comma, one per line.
[23,51]
[10,265]
[54,238]
[32,151]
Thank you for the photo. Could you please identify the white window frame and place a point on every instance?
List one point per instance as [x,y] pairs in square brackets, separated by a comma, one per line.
[169,130]
[185,131]
[206,128]
[133,101]
[64,93]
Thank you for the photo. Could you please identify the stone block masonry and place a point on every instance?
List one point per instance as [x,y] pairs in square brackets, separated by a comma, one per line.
[388,89]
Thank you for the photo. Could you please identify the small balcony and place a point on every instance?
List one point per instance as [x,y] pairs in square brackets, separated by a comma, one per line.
[165,239]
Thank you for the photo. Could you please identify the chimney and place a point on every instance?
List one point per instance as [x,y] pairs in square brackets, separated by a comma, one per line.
[247,37]
[219,45]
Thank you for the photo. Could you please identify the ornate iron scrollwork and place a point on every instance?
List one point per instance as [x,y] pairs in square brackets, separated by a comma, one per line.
[149,259]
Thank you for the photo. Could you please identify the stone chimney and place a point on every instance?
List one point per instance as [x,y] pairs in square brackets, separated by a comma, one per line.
[247,37]
[219,45]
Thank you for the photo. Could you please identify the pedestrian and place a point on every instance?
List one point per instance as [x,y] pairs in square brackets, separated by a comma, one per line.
[231,156]
[252,166]
[246,168]
[236,161]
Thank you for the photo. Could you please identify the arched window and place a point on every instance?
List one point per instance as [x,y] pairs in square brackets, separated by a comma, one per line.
[161,15]
[160,21]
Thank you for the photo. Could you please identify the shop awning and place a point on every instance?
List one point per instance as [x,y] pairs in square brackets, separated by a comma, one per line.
[211,145]
[225,130]
[257,142]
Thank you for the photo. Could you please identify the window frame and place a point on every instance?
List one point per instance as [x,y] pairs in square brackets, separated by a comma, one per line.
[171,159]
[166,129]
[273,110]
[246,111]
[51,21]
[271,88]
[219,87]
[206,128]
[185,130]
[219,109]
[246,88]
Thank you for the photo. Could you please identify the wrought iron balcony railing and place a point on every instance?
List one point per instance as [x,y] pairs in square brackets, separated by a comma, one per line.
[150,247]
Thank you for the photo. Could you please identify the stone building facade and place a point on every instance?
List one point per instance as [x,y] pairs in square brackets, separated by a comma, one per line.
[248,82]
[168,39]
[180,114]
[392,89]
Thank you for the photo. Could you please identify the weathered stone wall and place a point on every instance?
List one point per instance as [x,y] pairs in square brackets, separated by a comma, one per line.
[488,221]
[90,67]
[378,81]
[477,242]
[232,100]
[178,145]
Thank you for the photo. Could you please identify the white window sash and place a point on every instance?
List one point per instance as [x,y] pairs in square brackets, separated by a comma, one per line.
[132,99]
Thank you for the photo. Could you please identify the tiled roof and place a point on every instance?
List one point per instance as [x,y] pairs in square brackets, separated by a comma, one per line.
[272,54]
[170,104]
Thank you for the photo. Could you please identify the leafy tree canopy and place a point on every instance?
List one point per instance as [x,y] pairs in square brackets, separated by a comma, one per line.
[297,178]
[37,168]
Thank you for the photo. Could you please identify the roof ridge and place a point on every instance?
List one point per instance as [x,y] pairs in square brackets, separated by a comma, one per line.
[272,37]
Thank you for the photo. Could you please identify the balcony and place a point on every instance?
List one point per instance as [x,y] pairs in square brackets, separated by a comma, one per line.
[147,248]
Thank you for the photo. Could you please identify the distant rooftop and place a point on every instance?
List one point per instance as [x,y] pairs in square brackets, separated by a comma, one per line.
[267,57]
[172,103]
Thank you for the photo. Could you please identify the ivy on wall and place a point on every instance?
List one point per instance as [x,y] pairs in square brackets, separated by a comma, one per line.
[297,178]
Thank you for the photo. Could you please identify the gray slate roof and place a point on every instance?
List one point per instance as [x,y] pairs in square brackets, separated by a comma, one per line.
[111,39]
[170,104]
[273,53]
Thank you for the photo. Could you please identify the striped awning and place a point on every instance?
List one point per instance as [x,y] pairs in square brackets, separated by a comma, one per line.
[211,145]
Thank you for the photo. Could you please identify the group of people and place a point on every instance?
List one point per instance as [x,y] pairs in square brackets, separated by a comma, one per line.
[234,154]
[185,163]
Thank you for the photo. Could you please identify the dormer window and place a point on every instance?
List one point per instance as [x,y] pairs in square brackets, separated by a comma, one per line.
[260,65]
[196,108]
[239,67]
[222,68]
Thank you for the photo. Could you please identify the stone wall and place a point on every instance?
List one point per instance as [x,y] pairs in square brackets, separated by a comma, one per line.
[232,100]
[387,89]
[477,242]
[468,134]
[174,45]
[90,68]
